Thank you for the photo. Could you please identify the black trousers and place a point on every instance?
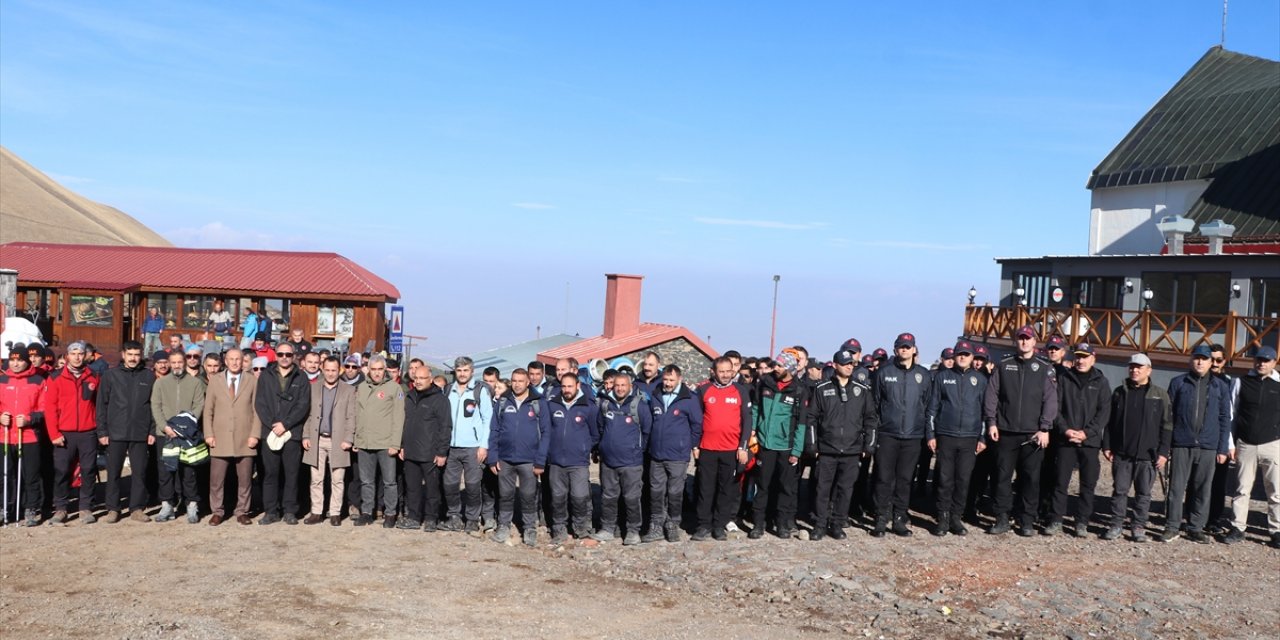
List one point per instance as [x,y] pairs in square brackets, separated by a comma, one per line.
[625,483]
[1049,477]
[984,471]
[1224,477]
[776,484]
[718,493]
[139,456]
[836,475]
[508,477]
[179,484]
[863,501]
[956,458]
[422,490]
[80,447]
[31,480]
[895,463]
[1194,465]
[1014,452]
[280,470]
[1069,459]
[1138,474]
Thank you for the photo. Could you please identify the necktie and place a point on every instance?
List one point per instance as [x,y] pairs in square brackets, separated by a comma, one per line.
[235,381]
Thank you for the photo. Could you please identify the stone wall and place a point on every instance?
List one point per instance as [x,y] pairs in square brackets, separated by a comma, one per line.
[695,364]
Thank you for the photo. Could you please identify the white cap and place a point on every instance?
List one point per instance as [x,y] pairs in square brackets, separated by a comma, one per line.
[1140,358]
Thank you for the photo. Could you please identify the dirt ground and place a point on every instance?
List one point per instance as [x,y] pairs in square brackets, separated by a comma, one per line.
[143,580]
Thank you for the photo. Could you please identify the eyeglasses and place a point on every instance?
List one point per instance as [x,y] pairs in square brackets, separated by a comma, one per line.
[1219,360]
[1054,348]
[284,354]
[259,368]
[350,366]
[193,356]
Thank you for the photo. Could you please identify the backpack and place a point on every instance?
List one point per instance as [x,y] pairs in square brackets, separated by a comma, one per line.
[264,326]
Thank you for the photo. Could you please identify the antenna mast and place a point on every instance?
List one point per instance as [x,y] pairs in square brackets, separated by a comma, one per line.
[1223,42]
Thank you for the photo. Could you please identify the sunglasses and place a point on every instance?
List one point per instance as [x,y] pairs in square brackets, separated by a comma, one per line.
[284,354]
[350,366]
[1219,360]
[259,368]
[193,356]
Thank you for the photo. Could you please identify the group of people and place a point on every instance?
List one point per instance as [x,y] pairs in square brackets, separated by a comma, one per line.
[500,454]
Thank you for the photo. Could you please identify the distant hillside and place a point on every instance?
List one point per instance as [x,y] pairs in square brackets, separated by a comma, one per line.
[35,208]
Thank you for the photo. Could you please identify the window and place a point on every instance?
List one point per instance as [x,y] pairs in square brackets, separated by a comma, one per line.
[1265,298]
[92,311]
[278,311]
[335,321]
[1098,292]
[1193,293]
[167,303]
[196,310]
[1036,286]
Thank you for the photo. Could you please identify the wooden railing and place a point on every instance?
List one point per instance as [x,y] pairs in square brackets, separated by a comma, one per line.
[1145,331]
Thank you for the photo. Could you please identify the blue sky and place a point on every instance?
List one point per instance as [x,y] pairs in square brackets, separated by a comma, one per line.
[481,156]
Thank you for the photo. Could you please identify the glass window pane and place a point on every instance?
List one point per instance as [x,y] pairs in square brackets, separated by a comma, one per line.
[324,320]
[345,322]
[195,311]
[92,311]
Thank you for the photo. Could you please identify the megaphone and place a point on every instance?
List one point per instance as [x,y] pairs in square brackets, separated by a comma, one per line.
[597,367]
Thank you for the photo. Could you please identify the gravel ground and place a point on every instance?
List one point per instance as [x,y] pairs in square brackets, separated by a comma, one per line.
[132,580]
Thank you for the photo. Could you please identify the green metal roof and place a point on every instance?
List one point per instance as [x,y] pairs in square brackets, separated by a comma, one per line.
[1244,193]
[1226,108]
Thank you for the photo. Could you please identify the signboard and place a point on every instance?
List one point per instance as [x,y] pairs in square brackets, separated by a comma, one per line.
[396,343]
[1057,294]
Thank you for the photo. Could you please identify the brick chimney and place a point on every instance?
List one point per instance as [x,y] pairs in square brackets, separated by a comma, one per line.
[621,305]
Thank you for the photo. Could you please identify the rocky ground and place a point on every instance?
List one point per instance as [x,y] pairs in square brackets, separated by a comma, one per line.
[179,580]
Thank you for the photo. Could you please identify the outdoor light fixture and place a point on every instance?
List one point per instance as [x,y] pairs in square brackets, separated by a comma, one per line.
[1022,295]
[973,294]
[1128,286]
[1147,295]
[1235,289]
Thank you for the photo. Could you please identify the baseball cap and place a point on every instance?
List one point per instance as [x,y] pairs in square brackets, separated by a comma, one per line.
[852,345]
[980,351]
[1026,331]
[904,340]
[843,356]
[948,353]
[1141,359]
[1265,353]
[814,364]
[1201,351]
[880,354]
[867,361]
[352,359]
[1083,349]
[1055,342]
[963,346]
[275,442]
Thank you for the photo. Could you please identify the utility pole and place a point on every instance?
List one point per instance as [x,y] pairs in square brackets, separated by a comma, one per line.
[773,327]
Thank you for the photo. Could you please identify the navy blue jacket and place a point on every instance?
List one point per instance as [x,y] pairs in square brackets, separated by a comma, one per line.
[1215,432]
[677,429]
[650,388]
[571,431]
[623,437]
[955,404]
[902,397]
[516,432]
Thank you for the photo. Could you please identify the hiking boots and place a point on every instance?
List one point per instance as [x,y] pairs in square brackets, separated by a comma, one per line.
[531,537]
[1113,533]
[112,517]
[654,534]
[1169,534]
[881,525]
[1235,535]
[1001,526]
[408,524]
[1027,529]
[269,518]
[166,512]
[86,517]
[633,537]
[817,534]
[193,512]
[501,534]
[900,527]
[785,532]
[363,520]
[290,518]
[454,523]
[1052,529]
[138,515]
[59,517]
[837,533]
[430,525]
[1198,537]
[944,524]
[559,537]
[602,535]
[701,534]
[673,532]
[756,532]
[389,522]
[957,525]
[32,518]
[720,535]
[1139,534]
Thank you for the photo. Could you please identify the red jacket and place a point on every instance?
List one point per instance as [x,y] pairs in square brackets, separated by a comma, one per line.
[22,394]
[71,403]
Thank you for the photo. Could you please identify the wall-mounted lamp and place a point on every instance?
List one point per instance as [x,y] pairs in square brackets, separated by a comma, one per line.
[1022,295]
[1147,295]
[973,294]
[1128,286]
[1235,289]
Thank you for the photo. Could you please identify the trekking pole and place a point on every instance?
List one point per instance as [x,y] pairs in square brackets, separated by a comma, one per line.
[17,487]
[4,519]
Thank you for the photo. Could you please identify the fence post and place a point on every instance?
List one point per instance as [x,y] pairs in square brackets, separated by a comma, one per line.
[1231,337]
[1145,335]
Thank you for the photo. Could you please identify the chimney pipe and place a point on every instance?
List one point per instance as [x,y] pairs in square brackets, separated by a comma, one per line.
[621,305]
[1174,229]
[1217,231]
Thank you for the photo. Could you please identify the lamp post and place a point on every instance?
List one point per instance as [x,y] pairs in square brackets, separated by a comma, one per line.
[973,294]
[1022,295]
[1147,295]
[773,326]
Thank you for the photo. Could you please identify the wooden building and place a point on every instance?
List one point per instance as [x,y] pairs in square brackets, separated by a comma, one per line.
[101,293]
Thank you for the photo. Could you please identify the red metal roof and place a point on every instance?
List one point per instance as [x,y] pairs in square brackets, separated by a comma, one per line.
[285,272]
[650,334]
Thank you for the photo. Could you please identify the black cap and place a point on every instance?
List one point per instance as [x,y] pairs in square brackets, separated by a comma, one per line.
[844,356]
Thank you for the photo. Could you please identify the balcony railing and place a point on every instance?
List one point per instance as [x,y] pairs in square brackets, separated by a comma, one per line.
[1155,332]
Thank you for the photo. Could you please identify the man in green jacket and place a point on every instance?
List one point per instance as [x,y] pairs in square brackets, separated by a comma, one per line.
[778,403]
[173,394]
[379,430]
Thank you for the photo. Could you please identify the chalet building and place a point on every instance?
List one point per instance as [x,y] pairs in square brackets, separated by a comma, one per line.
[101,293]
[1184,232]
